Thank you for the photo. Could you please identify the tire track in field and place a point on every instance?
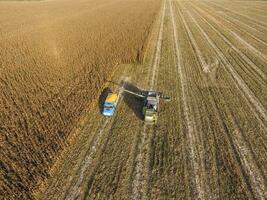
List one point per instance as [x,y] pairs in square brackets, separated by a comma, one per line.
[139,183]
[237,25]
[206,69]
[238,80]
[208,190]
[256,179]
[64,179]
[74,189]
[249,13]
[240,150]
[255,67]
[199,187]
[263,26]
[244,24]
[247,93]
[233,143]
[137,137]
[139,188]
[107,176]
[249,46]
[249,167]
[242,7]
[158,52]
[251,9]
[166,178]
[262,122]
[211,192]
[245,43]
[203,64]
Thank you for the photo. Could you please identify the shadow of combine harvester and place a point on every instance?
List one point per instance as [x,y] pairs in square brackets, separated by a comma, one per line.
[102,98]
[134,102]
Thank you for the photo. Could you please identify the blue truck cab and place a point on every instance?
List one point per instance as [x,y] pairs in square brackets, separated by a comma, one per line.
[110,105]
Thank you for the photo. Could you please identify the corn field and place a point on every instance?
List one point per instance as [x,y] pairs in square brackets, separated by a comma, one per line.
[54,58]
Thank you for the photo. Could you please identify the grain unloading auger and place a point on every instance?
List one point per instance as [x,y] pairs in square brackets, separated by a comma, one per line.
[151,103]
[150,98]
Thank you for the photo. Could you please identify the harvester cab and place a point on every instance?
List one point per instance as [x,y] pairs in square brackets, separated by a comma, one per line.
[151,107]
[151,104]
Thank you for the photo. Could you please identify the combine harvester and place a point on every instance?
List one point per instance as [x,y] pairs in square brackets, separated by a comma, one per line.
[150,106]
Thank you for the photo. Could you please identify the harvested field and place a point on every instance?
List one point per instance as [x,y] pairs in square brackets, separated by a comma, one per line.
[210,141]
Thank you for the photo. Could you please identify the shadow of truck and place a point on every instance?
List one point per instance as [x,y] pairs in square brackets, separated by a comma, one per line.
[102,98]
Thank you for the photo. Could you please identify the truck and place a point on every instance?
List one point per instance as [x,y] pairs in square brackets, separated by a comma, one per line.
[110,104]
